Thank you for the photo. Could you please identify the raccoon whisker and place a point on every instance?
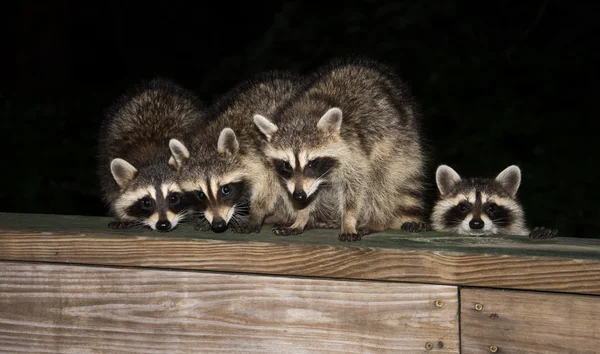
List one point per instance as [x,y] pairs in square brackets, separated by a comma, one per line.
[324,173]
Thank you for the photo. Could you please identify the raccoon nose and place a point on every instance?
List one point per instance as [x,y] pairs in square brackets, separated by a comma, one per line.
[476,224]
[218,225]
[163,225]
[299,196]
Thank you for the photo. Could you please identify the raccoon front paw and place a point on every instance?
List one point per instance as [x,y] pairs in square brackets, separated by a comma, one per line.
[413,226]
[542,233]
[202,225]
[281,230]
[119,225]
[349,237]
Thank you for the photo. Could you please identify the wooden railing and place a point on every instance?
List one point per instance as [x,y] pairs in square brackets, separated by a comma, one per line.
[68,284]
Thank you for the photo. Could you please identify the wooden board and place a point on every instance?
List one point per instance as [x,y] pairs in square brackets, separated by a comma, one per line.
[529,322]
[74,309]
[562,265]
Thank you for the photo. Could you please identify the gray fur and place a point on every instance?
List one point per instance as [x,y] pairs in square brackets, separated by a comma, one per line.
[231,147]
[359,113]
[137,129]
[500,191]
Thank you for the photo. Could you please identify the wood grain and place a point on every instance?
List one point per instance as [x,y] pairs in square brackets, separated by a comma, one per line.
[561,265]
[340,261]
[529,322]
[75,309]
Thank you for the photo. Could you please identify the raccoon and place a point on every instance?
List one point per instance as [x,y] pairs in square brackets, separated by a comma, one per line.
[481,206]
[136,164]
[235,185]
[348,149]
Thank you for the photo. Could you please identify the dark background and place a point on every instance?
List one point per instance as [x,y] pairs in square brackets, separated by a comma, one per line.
[500,83]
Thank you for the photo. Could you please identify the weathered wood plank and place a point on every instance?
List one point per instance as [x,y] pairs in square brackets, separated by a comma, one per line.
[568,265]
[562,247]
[528,322]
[76,309]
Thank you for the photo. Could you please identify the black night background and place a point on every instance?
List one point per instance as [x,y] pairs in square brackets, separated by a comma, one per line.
[499,83]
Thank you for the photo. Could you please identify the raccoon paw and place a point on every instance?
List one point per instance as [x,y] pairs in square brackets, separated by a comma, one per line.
[349,237]
[118,225]
[413,226]
[541,233]
[281,230]
[202,225]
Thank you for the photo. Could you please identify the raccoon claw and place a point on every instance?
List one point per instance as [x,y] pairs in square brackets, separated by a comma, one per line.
[349,237]
[413,226]
[118,225]
[542,233]
[280,230]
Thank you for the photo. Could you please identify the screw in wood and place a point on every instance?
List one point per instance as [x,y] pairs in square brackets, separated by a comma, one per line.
[493,348]
[428,346]
[440,344]
[439,303]
[478,307]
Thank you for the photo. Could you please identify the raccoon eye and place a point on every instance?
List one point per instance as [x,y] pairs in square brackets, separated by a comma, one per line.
[147,203]
[285,166]
[311,163]
[225,190]
[173,198]
[201,195]
[491,208]
[463,207]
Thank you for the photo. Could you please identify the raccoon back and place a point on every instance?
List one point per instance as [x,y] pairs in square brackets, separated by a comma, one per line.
[139,125]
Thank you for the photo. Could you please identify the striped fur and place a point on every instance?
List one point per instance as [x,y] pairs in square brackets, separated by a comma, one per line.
[136,165]
[348,150]
[227,157]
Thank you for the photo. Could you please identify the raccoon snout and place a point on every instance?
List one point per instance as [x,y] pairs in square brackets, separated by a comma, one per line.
[218,225]
[299,195]
[163,225]
[476,224]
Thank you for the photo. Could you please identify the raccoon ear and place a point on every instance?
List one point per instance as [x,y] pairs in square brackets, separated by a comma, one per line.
[265,126]
[228,142]
[510,179]
[331,121]
[179,153]
[446,179]
[122,171]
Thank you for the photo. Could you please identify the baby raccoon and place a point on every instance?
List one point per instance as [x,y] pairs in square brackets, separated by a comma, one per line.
[348,146]
[235,186]
[135,165]
[481,206]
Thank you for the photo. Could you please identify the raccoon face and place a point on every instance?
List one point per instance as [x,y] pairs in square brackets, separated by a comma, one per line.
[304,165]
[302,174]
[221,202]
[222,192]
[160,206]
[477,206]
